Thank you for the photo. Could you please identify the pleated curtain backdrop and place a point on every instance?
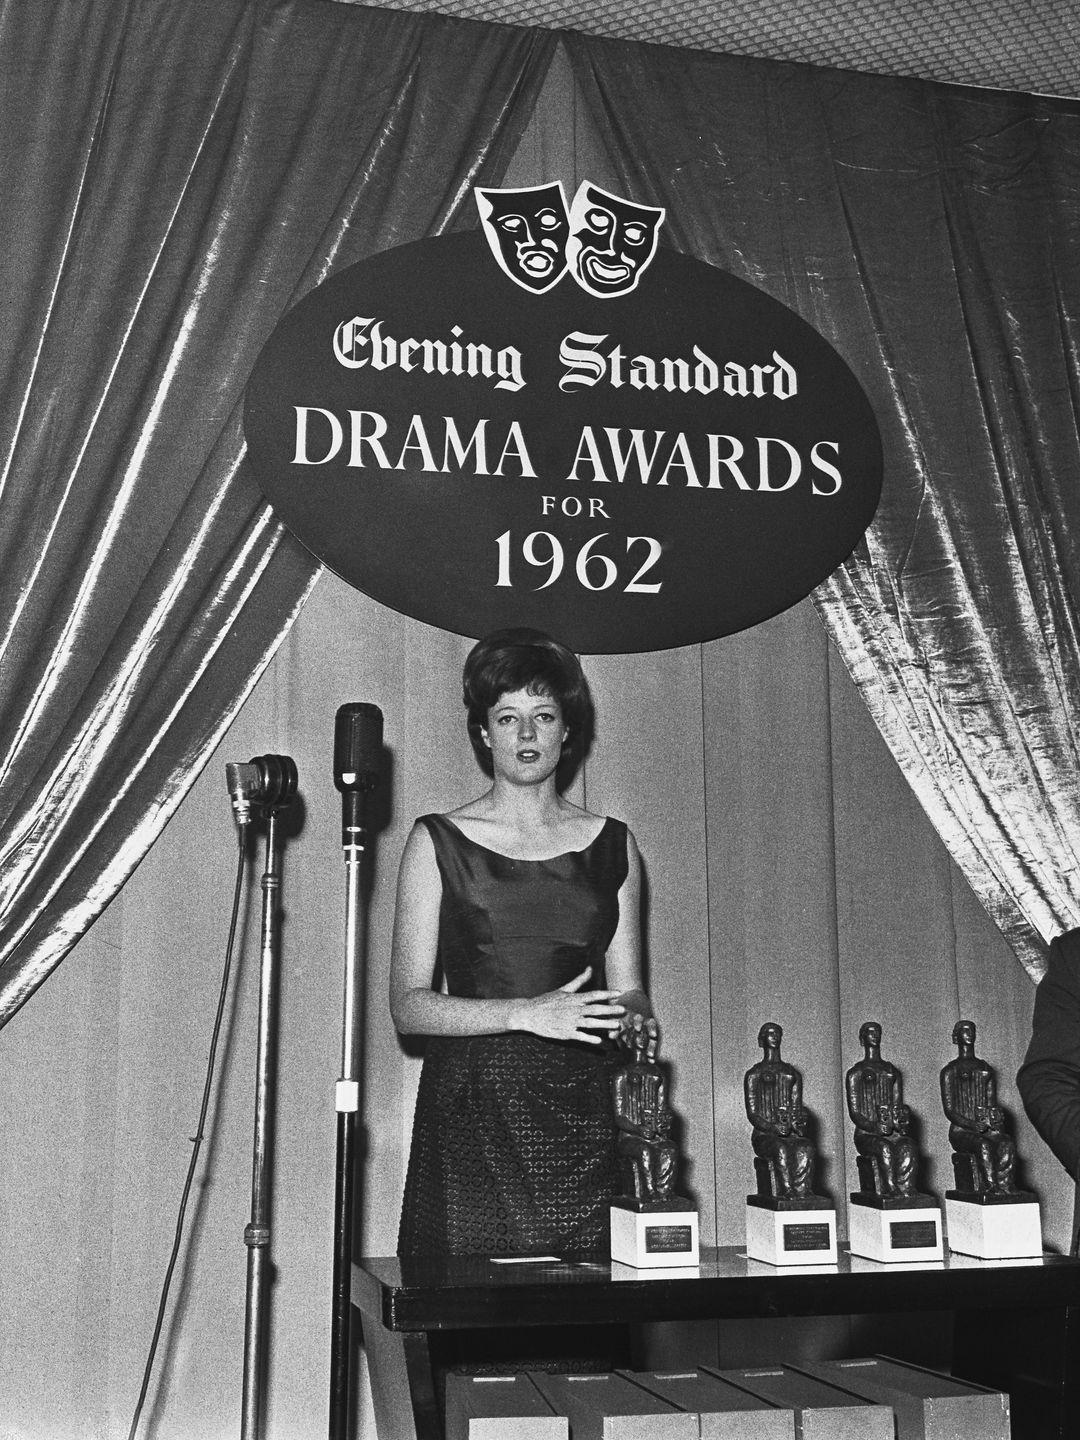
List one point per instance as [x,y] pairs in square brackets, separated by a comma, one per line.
[207,167]
[172,179]
[930,233]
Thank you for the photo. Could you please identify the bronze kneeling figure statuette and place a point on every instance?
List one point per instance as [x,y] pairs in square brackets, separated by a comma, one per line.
[888,1158]
[784,1155]
[648,1157]
[984,1153]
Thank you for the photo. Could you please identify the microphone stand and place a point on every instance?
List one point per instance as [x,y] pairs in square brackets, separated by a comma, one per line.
[347,1101]
[275,785]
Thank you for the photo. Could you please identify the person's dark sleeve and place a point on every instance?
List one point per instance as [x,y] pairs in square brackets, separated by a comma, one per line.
[1049,1079]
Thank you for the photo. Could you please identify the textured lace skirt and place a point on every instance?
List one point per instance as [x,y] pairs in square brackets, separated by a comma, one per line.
[513,1149]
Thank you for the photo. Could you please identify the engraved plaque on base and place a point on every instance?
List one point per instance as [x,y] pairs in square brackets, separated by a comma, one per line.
[894,1233]
[790,1233]
[654,1237]
[993,1231]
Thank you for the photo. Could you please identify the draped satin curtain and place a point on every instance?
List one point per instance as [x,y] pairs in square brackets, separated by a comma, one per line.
[932,234]
[172,177]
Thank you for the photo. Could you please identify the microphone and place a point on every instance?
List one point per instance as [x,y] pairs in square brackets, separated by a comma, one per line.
[242,782]
[358,743]
[357,746]
[269,781]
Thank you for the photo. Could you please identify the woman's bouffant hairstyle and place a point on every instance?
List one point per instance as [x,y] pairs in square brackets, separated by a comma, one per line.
[524,659]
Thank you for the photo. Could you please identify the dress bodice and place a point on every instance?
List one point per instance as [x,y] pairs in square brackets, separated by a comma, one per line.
[511,927]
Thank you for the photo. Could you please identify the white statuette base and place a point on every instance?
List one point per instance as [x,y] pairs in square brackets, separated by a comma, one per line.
[994,1232]
[654,1239]
[895,1236]
[791,1237]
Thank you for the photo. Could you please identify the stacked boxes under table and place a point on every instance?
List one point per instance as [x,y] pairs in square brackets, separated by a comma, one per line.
[871,1399]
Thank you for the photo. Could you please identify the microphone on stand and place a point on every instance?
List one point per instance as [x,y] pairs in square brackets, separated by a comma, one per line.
[358,739]
[267,781]
[358,743]
[267,784]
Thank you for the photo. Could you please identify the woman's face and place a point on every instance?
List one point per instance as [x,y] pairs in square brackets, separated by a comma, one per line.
[525,734]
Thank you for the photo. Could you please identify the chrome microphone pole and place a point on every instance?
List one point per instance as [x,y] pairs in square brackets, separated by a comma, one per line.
[357,756]
[268,783]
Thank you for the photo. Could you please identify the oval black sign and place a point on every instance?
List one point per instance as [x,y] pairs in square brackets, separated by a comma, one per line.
[629,473]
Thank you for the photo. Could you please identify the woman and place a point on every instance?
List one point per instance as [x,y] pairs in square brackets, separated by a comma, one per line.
[525,907]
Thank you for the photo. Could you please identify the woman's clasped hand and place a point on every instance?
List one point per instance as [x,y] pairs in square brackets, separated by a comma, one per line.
[571,1013]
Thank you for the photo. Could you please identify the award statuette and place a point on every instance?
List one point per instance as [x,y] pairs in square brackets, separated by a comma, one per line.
[986,1215]
[786,1222]
[888,1218]
[651,1227]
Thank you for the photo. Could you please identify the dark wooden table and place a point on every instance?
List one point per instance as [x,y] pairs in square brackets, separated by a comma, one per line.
[1016,1322]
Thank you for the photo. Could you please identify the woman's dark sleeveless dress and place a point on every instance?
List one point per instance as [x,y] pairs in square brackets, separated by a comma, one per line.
[513,1141]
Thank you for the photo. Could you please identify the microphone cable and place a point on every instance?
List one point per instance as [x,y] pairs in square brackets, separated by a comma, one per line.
[197,1138]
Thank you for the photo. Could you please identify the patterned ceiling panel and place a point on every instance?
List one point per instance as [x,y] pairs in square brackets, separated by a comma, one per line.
[1031,45]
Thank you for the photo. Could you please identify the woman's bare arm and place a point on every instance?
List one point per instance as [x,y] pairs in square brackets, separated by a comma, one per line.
[623,964]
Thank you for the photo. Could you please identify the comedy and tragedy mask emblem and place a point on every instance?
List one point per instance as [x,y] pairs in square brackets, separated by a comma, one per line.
[611,241]
[527,230]
[606,242]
